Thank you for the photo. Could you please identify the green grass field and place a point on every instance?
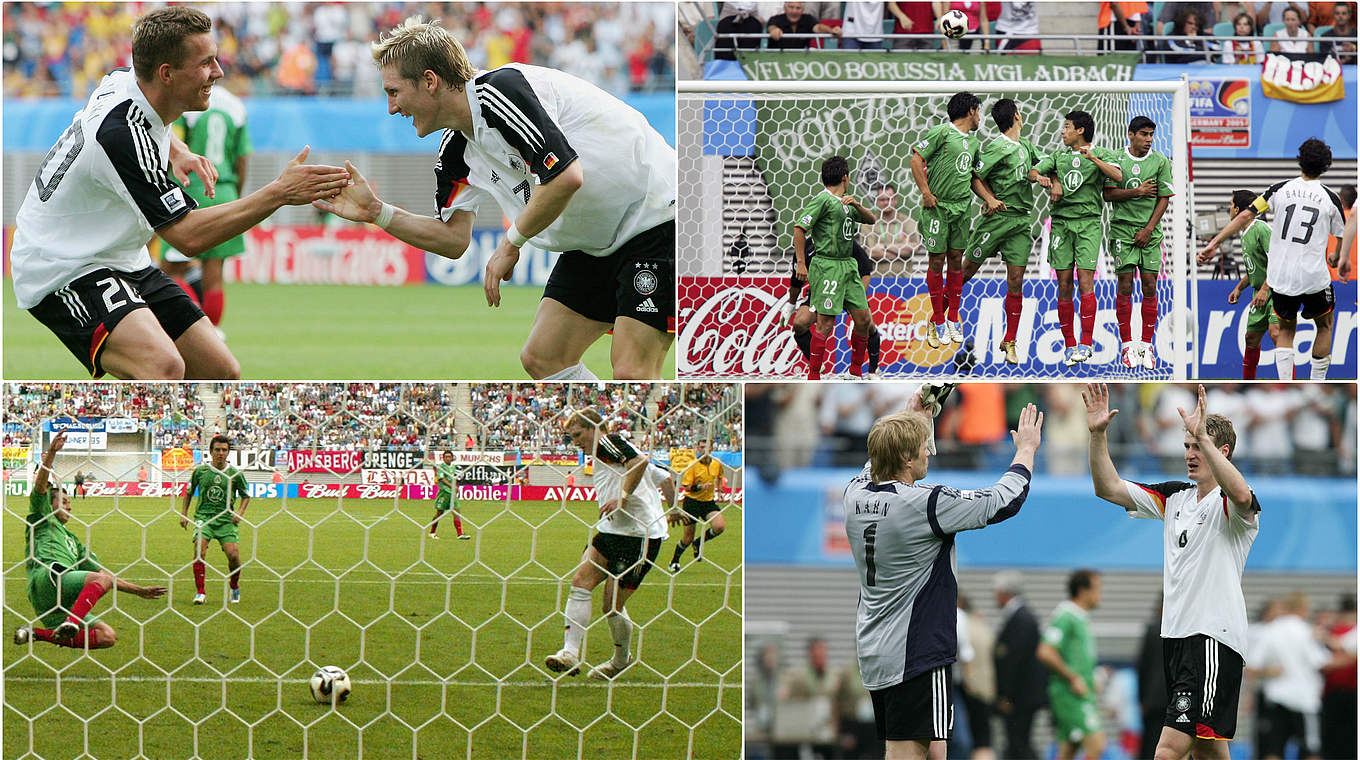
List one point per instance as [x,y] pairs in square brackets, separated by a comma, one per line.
[340,332]
[444,641]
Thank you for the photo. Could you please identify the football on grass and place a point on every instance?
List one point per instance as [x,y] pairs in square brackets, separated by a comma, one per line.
[330,685]
[953,24]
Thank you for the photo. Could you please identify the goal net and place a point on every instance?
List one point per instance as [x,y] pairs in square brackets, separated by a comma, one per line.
[444,640]
[750,154]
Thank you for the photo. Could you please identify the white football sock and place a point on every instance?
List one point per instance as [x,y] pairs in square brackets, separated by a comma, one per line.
[1284,363]
[621,628]
[576,372]
[577,614]
[1320,367]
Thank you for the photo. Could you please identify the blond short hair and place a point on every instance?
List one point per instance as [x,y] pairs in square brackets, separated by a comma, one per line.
[416,46]
[893,440]
[158,37]
[1220,430]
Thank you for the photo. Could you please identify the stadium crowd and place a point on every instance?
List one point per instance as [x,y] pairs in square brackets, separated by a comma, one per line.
[1305,429]
[363,415]
[170,407]
[1204,29]
[63,49]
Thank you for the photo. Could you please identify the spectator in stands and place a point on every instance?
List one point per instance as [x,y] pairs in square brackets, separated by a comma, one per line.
[1208,13]
[1339,689]
[1021,682]
[862,26]
[913,18]
[978,22]
[1273,13]
[890,238]
[1343,31]
[1188,26]
[762,693]
[1293,38]
[1320,14]
[1244,51]
[1019,22]
[1289,657]
[794,20]
[1121,21]
[742,20]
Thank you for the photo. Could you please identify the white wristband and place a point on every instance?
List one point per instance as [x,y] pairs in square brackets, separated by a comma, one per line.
[515,237]
[385,216]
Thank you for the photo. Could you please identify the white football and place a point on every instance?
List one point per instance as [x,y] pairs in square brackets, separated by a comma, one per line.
[330,685]
[953,24]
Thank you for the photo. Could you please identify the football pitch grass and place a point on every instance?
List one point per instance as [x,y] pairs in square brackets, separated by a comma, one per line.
[340,332]
[444,641]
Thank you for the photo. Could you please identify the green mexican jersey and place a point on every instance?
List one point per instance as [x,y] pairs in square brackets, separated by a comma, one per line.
[216,490]
[949,154]
[1069,632]
[1003,165]
[218,134]
[1130,216]
[51,543]
[1255,244]
[1082,182]
[446,477]
[831,224]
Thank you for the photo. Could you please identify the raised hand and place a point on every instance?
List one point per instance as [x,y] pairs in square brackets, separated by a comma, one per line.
[356,201]
[1195,421]
[301,183]
[1027,432]
[58,441]
[1098,411]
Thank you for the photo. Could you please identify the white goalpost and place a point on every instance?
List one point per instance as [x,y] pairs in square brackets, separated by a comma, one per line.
[749,153]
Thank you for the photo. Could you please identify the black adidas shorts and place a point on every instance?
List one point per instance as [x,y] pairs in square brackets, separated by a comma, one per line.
[697,510]
[84,312]
[921,708]
[621,555]
[1314,304]
[637,280]
[1203,679]
[863,264]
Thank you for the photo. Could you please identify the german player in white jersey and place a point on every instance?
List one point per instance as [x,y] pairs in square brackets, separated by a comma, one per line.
[575,169]
[1210,523]
[901,534]
[633,524]
[1307,212]
[80,260]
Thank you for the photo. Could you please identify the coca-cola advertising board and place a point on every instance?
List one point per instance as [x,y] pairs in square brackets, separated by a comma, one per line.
[324,461]
[730,328]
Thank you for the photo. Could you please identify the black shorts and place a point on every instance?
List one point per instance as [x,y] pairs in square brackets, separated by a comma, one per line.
[623,556]
[637,280]
[697,510]
[863,264]
[84,312]
[1203,680]
[1279,724]
[1314,305]
[921,708]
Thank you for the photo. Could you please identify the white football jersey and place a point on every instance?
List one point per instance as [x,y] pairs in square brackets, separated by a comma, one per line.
[99,195]
[642,513]
[1206,542]
[529,123]
[1306,212]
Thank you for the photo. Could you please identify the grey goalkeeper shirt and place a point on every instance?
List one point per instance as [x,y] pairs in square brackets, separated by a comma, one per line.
[902,538]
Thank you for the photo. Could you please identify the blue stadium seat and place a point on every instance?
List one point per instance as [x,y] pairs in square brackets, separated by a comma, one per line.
[1223,29]
[1270,31]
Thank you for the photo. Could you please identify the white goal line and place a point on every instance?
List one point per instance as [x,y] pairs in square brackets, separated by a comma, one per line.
[379,681]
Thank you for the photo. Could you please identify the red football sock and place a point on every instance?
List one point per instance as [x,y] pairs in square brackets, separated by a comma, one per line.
[935,284]
[1088,318]
[187,288]
[434,525]
[955,286]
[1123,310]
[200,570]
[214,301]
[1250,358]
[1149,317]
[458,525]
[1015,304]
[74,642]
[89,594]
[859,353]
[1065,312]
[234,580]
[818,355]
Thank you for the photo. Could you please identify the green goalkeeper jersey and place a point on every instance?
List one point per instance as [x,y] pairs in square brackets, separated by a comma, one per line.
[50,542]
[1130,216]
[446,478]
[831,224]
[1082,197]
[1069,632]
[216,491]
[1255,245]
[949,154]
[218,134]
[1003,165]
